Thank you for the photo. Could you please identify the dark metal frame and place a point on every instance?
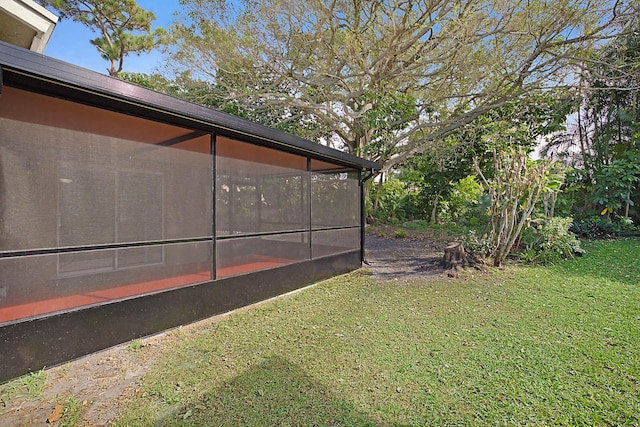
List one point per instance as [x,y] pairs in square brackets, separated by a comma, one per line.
[33,343]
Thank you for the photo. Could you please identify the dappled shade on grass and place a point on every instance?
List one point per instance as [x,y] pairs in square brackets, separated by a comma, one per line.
[273,392]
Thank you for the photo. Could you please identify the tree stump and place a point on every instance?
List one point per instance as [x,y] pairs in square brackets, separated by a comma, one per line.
[455,258]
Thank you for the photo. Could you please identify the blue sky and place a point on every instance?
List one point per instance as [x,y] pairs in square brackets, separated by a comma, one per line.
[70,42]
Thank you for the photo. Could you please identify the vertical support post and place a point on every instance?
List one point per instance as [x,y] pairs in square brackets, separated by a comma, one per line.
[258,199]
[310,204]
[304,207]
[213,207]
[362,216]
[362,182]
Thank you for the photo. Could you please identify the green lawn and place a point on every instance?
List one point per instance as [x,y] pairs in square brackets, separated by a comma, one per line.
[521,346]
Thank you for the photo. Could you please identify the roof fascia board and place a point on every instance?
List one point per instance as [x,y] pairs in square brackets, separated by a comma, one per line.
[30,13]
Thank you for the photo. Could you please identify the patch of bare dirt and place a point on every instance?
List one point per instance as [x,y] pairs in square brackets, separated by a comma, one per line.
[101,383]
[95,385]
[395,258]
[411,257]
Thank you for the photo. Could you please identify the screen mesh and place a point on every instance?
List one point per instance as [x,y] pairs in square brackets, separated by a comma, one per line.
[331,242]
[74,178]
[28,287]
[245,254]
[99,203]
[66,187]
[259,189]
[335,200]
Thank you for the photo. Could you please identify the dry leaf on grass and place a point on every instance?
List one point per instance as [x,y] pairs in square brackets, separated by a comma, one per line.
[55,415]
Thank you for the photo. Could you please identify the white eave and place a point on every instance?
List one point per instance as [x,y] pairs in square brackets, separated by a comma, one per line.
[26,24]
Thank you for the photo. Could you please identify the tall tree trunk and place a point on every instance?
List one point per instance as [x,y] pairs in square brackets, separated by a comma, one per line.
[583,150]
[619,120]
[626,206]
[434,210]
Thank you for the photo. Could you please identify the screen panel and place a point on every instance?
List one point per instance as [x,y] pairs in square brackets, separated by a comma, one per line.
[259,189]
[331,242]
[92,281]
[104,197]
[66,187]
[335,196]
[245,254]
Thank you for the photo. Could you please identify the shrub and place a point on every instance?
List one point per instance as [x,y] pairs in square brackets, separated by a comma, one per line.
[463,198]
[400,234]
[396,202]
[551,242]
[478,214]
[603,228]
[593,229]
[477,245]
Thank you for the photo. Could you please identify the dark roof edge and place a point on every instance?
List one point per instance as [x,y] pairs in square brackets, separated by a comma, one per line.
[38,65]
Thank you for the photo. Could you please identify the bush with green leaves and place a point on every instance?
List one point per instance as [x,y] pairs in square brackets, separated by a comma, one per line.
[617,183]
[401,233]
[593,228]
[460,202]
[393,200]
[478,245]
[478,214]
[551,241]
[603,228]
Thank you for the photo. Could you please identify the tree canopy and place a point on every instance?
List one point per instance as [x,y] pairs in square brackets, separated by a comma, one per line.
[603,140]
[386,78]
[122,25]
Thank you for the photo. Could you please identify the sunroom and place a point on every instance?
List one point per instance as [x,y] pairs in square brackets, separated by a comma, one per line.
[125,212]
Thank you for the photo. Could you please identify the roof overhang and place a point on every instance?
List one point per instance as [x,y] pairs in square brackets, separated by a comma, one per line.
[26,24]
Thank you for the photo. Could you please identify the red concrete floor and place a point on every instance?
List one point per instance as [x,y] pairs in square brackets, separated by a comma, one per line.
[36,308]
